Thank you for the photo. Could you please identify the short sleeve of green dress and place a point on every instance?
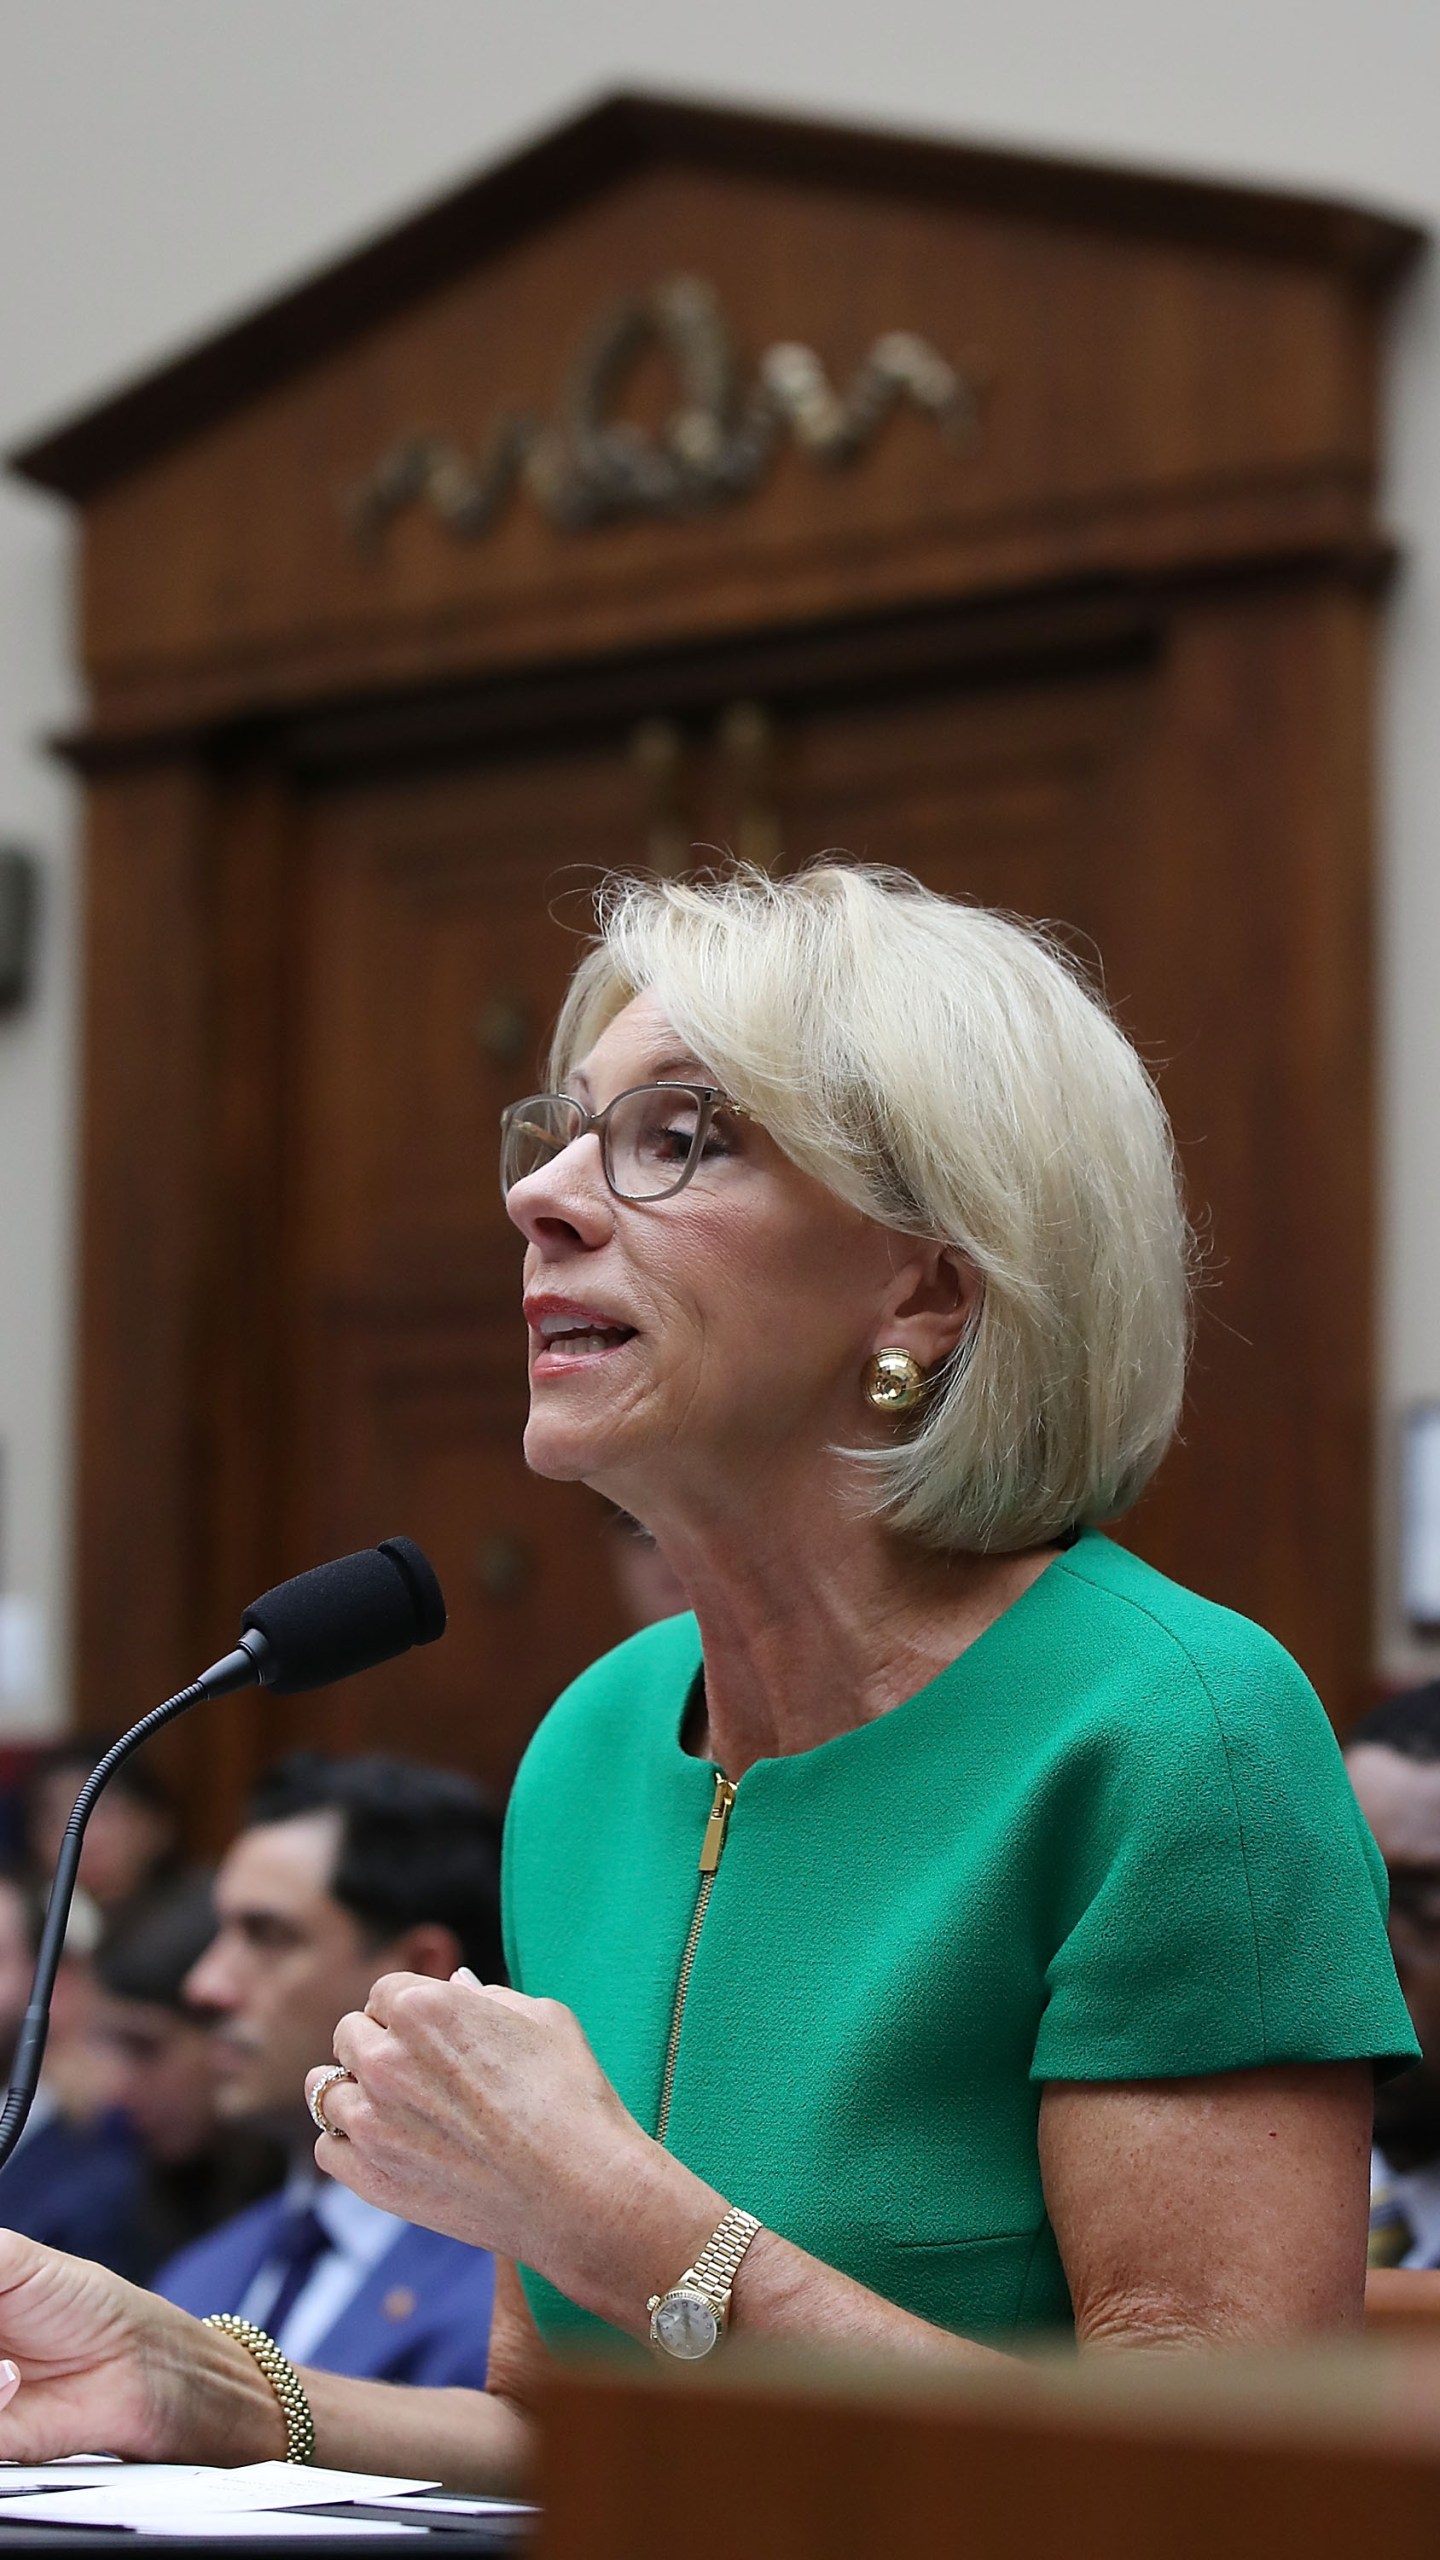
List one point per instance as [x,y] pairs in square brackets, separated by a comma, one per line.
[1224,1900]
[1114,1840]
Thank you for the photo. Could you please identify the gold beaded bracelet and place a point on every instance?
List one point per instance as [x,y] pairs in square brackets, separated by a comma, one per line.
[282,2377]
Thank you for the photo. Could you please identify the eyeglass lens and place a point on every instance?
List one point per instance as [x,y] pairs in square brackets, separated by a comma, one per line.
[533,1132]
[650,1138]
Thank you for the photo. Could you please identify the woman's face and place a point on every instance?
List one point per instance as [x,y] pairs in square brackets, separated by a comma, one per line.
[706,1340]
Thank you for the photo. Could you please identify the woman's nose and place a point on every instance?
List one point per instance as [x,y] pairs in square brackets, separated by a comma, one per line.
[568,1198]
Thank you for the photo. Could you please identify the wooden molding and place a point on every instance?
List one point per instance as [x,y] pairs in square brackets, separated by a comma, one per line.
[620,134]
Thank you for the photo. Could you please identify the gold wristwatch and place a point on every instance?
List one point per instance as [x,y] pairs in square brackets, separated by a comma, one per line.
[690,2320]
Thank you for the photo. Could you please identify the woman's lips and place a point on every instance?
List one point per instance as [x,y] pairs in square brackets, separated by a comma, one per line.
[578,1347]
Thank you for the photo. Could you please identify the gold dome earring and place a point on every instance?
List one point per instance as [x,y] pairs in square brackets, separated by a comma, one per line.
[892,1382]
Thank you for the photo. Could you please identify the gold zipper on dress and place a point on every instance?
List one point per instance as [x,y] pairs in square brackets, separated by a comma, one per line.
[711,1850]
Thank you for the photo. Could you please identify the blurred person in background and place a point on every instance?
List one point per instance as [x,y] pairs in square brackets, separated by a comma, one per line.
[197,2172]
[74,2177]
[348,1869]
[130,1844]
[1393,1756]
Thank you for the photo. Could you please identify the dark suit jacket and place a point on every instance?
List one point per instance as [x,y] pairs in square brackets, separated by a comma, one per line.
[421,2315]
[77,2187]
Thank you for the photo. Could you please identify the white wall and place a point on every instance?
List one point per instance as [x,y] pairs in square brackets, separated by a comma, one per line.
[164,162]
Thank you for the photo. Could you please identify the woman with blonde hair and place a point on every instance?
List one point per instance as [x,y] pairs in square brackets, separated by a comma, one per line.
[949,1930]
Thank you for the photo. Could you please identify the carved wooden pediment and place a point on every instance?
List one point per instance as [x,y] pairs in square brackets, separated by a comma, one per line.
[690,370]
[697,478]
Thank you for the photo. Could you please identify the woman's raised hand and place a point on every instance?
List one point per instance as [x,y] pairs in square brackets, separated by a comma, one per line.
[484,2114]
[90,2364]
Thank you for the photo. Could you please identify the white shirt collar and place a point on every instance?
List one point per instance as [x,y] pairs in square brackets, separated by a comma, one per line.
[356,2230]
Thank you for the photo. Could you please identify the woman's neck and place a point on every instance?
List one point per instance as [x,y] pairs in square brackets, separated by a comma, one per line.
[813,1627]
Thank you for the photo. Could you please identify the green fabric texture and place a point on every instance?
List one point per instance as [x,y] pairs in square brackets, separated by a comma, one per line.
[1114,1840]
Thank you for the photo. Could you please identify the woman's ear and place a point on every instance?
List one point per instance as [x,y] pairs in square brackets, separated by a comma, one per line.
[934,1304]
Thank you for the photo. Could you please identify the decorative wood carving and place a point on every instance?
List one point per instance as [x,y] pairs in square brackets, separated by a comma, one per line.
[594,466]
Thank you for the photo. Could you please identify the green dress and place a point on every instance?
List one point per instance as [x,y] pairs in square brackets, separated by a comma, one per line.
[1113,1841]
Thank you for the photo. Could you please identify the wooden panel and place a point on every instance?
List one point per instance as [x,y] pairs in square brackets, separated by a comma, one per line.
[1148,402]
[411,1419]
[1319,2454]
[1403,2302]
[146,1111]
[178,1458]
[434,957]
[580,159]
[438,924]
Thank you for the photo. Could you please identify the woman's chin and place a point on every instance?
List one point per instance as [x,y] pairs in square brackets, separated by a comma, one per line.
[566,1453]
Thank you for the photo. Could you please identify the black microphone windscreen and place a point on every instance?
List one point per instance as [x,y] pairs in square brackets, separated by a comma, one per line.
[424,1584]
[347,1616]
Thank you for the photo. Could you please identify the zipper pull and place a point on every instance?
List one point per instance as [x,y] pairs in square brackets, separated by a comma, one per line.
[716,1826]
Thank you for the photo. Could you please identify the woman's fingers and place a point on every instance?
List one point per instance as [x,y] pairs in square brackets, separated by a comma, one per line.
[314,2077]
[392,1990]
[383,1995]
[518,2002]
[9,2381]
[360,2046]
[329,2114]
[459,2100]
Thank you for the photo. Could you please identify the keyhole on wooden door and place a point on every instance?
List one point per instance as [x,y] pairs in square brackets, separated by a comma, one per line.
[504,1028]
[503,1565]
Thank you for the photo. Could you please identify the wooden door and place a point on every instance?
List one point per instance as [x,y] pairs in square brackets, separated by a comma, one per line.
[1123,798]
[439,919]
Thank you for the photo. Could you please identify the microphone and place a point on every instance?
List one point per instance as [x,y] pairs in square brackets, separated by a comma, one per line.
[339,1618]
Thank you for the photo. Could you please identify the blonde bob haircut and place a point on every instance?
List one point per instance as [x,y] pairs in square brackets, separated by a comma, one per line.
[949,1072]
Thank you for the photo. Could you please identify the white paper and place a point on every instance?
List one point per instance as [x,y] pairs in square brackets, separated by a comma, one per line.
[71,2471]
[318,2487]
[74,2462]
[144,2495]
[448,2506]
[265,2528]
[72,2479]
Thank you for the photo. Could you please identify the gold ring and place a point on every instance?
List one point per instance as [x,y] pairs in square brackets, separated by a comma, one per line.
[332,2073]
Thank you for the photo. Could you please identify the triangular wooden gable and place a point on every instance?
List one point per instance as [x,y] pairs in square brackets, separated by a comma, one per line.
[730,479]
[1114,342]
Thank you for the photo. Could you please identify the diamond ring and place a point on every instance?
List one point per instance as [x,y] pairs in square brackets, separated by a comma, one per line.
[332,2073]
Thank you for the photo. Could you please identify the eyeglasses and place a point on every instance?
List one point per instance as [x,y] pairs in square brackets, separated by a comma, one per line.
[651,1139]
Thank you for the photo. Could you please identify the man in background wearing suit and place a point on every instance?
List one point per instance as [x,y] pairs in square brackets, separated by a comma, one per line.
[74,2177]
[1393,1757]
[347,1869]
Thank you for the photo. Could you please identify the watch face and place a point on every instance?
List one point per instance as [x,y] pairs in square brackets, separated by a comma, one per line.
[684,2324]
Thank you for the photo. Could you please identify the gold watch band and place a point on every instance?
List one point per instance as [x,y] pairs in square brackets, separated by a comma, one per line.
[718,2264]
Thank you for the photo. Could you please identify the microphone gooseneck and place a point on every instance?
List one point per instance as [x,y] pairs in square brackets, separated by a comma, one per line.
[324,1625]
